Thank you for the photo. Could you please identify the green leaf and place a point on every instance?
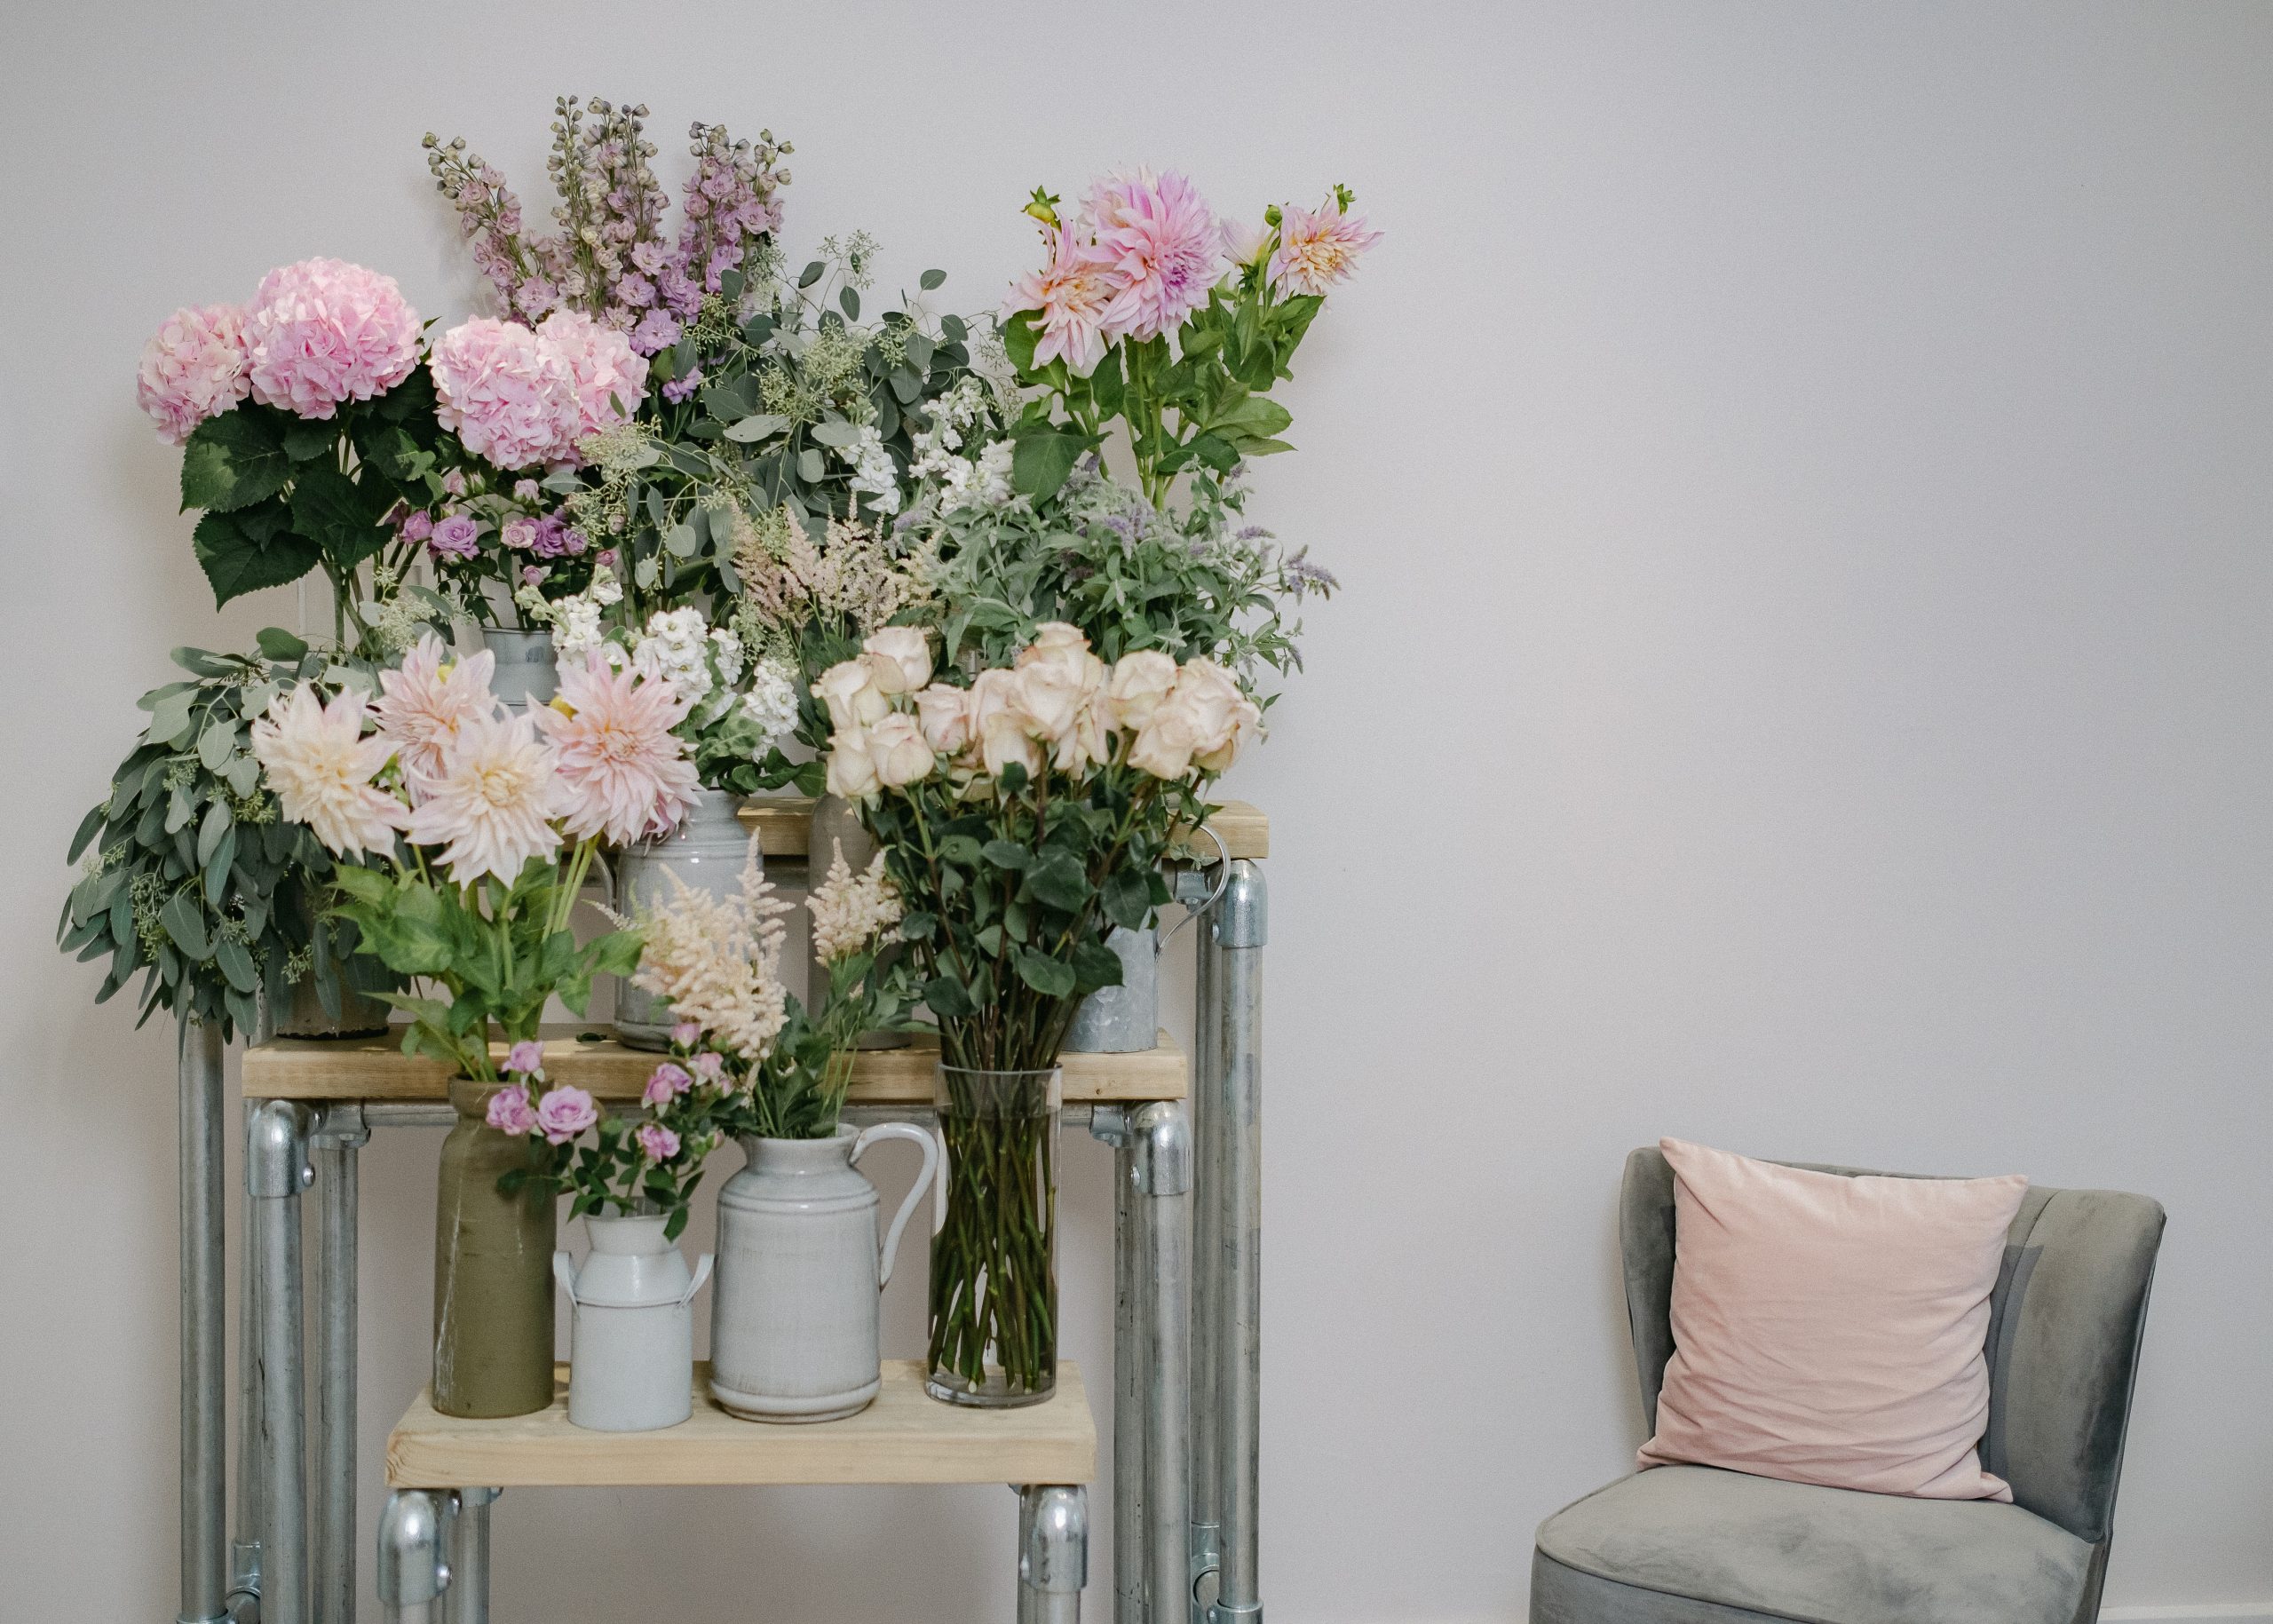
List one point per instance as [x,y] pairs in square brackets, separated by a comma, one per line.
[236,564]
[236,964]
[680,539]
[338,514]
[1047,976]
[960,849]
[1020,335]
[280,644]
[1043,459]
[850,301]
[305,441]
[1005,854]
[811,273]
[185,921]
[1058,881]
[217,823]
[230,461]
[171,720]
[834,434]
[763,425]
[1106,384]
[1126,897]
[1095,965]
[947,999]
[931,280]
[88,826]
[811,469]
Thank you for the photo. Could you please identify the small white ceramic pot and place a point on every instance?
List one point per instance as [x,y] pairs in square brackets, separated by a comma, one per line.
[631,1348]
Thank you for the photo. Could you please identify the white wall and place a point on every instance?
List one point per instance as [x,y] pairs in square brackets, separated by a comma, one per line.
[1799,475]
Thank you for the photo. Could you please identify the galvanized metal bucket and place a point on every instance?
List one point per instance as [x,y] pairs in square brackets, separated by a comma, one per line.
[1121,1020]
[707,851]
[528,667]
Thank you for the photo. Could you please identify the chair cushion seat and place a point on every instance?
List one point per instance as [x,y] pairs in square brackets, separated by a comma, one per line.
[1761,1547]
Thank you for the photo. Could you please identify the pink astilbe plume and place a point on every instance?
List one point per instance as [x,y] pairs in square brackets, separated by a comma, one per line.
[1164,248]
[324,331]
[1070,294]
[193,368]
[1318,248]
[320,766]
[427,703]
[489,806]
[622,772]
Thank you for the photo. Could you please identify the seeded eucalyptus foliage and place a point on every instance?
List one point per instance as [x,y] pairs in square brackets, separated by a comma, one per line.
[193,878]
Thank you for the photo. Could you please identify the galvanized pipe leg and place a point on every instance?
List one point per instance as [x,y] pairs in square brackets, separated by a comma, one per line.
[204,1351]
[1053,1553]
[413,1573]
[1160,1134]
[1241,929]
[252,1423]
[1128,1387]
[276,1170]
[1206,1540]
[336,1144]
[467,1600]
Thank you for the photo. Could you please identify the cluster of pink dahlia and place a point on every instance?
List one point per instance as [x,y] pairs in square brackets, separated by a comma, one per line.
[518,398]
[323,331]
[1140,258]
[193,368]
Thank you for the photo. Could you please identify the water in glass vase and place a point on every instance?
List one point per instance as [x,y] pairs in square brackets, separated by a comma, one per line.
[994,1261]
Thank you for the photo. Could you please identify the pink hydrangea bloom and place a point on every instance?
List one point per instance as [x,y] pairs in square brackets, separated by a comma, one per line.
[659,1142]
[607,372]
[193,368]
[666,1084]
[621,772]
[324,331]
[1071,295]
[1164,248]
[505,393]
[1318,248]
[526,1056]
[564,1113]
[510,1111]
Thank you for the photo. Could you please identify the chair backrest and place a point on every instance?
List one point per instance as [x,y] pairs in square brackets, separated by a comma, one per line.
[2064,1326]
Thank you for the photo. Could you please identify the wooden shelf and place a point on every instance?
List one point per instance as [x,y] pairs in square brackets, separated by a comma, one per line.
[904,1437]
[784,823]
[376,1068]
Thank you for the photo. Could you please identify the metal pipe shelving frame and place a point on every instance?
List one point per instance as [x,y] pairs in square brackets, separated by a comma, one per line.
[1187,1277]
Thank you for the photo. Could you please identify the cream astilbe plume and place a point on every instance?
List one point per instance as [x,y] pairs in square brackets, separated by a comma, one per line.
[850,575]
[718,959]
[850,910]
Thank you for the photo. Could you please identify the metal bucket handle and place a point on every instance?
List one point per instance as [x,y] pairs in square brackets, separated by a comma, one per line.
[1223,879]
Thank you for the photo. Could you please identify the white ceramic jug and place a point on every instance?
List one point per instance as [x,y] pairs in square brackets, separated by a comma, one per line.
[631,1348]
[793,1322]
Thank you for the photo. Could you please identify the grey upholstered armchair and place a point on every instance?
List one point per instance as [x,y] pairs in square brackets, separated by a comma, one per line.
[1694,1545]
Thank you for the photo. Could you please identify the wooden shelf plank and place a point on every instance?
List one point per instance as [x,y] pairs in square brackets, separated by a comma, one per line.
[376,1068]
[904,1437]
[784,823]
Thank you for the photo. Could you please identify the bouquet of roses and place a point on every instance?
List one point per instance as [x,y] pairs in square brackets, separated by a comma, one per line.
[483,824]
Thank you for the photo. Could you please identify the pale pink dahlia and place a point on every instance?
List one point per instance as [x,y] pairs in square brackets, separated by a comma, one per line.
[609,377]
[488,807]
[622,772]
[320,764]
[1318,248]
[193,368]
[505,393]
[428,702]
[1071,294]
[323,331]
[1164,246]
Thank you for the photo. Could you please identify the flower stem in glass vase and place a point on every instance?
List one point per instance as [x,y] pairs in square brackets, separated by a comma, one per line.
[994,1263]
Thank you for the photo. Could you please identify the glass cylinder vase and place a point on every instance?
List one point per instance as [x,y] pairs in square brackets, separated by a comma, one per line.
[994,1261]
[493,1270]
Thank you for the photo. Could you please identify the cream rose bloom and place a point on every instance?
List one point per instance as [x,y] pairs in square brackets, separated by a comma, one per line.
[945,713]
[1213,699]
[897,751]
[1000,725]
[848,689]
[852,771]
[1140,681]
[898,658]
[1246,725]
[1164,745]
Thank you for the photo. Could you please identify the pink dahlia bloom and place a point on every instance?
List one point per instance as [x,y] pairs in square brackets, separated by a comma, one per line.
[622,772]
[488,807]
[1071,294]
[1164,246]
[564,1113]
[609,377]
[1318,248]
[193,368]
[425,704]
[319,765]
[510,1111]
[323,331]
[506,393]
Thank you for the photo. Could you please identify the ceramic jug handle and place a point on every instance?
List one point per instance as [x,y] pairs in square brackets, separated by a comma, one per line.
[899,1130]
[565,1271]
[701,1274]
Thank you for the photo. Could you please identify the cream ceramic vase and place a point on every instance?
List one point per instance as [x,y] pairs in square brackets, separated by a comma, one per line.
[631,1336]
[792,1320]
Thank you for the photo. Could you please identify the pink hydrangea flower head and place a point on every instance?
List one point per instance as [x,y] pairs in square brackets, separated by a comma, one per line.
[564,1113]
[621,772]
[322,331]
[658,1143]
[526,1056]
[1069,296]
[194,367]
[505,393]
[1318,248]
[667,1083]
[1164,247]
[605,373]
[510,1111]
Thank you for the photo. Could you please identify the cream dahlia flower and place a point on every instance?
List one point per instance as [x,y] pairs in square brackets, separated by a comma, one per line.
[320,766]
[621,772]
[490,806]
[428,702]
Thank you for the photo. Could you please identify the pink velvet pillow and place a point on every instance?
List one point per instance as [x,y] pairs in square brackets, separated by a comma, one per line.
[1829,1329]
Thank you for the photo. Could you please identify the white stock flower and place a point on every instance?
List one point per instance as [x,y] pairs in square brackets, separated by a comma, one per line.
[873,471]
[772,701]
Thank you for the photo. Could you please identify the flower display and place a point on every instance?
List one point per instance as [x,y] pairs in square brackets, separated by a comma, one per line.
[606,375]
[426,703]
[1072,293]
[488,806]
[507,394]
[322,332]
[194,367]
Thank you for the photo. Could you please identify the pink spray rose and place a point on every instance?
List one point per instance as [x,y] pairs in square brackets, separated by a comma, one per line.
[685,1034]
[564,1113]
[605,372]
[525,1057]
[505,393]
[710,1068]
[667,1083]
[193,368]
[323,331]
[659,1142]
[510,1111]
[1164,248]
